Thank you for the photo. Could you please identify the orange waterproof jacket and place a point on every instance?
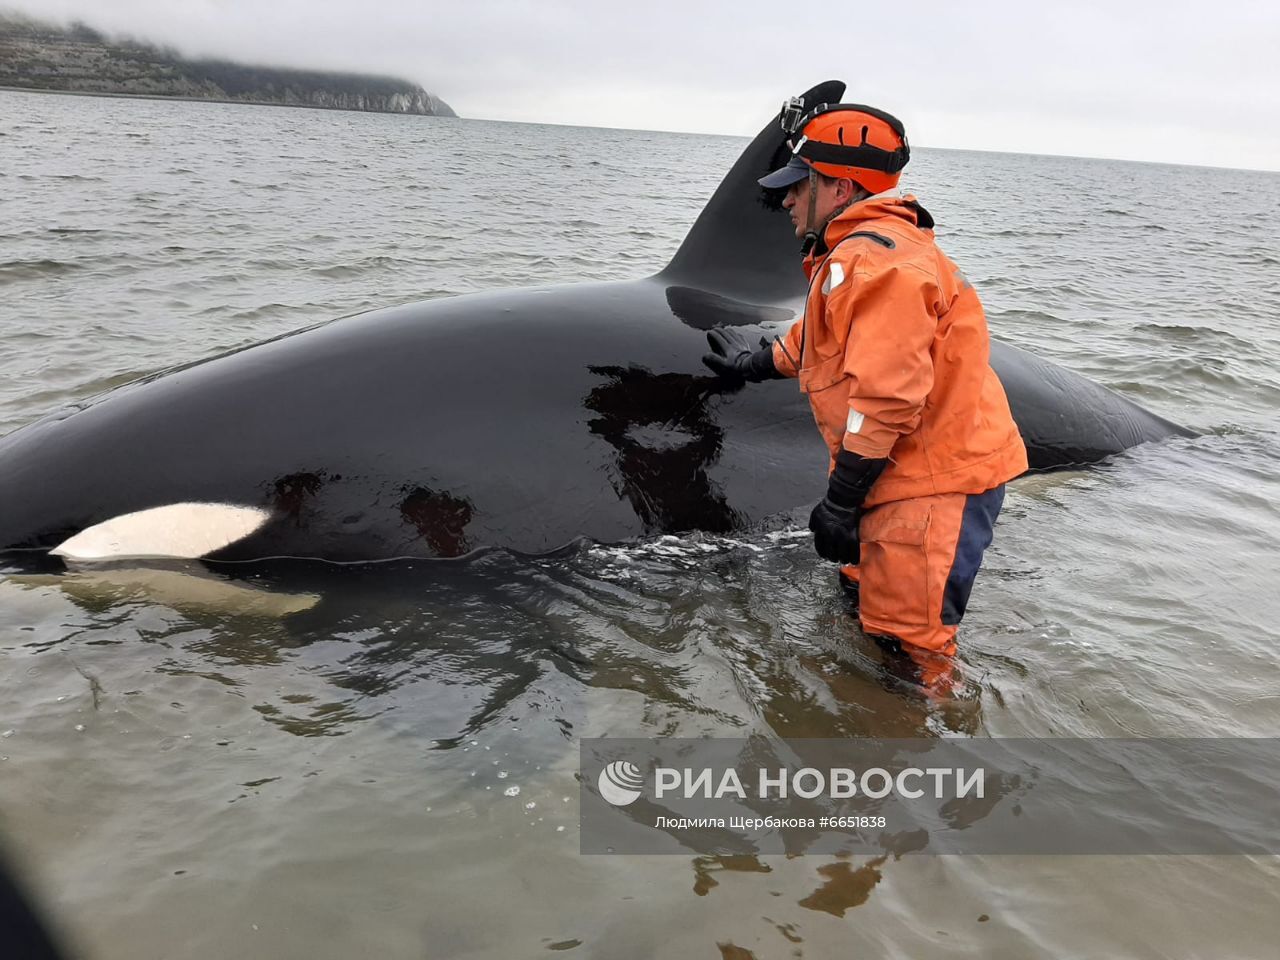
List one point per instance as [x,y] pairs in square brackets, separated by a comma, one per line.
[894,354]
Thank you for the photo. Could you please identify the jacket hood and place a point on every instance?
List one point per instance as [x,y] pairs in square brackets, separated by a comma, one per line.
[877,207]
[880,207]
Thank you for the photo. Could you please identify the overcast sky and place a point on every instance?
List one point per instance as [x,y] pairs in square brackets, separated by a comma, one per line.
[1173,81]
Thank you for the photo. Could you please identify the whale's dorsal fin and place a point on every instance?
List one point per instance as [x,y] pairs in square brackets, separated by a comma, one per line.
[738,246]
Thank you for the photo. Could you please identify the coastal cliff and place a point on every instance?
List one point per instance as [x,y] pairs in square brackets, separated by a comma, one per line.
[78,59]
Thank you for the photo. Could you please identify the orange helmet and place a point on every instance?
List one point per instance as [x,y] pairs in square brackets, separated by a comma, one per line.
[866,145]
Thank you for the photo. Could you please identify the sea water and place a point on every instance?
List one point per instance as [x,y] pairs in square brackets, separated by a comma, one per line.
[380,760]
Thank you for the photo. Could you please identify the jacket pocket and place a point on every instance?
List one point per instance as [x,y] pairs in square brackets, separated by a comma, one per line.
[829,398]
[823,374]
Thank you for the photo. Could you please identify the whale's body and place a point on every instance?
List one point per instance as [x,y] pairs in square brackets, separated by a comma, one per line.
[521,419]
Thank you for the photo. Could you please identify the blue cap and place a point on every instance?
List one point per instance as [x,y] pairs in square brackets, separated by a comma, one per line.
[794,171]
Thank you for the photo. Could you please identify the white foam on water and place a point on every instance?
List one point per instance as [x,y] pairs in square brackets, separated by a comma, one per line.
[694,546]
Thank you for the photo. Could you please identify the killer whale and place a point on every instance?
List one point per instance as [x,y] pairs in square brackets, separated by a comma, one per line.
[522,419]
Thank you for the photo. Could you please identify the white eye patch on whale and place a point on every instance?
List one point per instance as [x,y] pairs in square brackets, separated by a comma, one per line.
[184,531]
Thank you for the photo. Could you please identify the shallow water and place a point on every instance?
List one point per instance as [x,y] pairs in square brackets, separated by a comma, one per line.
[300,759]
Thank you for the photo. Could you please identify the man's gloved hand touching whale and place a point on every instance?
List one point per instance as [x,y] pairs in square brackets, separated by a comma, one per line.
[733,359]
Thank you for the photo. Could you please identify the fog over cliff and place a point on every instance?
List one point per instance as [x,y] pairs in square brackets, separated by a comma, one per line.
[78,59]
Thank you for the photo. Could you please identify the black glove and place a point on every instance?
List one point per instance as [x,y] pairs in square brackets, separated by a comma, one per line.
[834,520]
[735,361]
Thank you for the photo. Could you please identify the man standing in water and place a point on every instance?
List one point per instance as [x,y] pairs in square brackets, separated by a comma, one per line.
[893,353]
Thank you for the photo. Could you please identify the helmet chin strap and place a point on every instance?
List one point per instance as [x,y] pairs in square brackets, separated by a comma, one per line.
[810,229]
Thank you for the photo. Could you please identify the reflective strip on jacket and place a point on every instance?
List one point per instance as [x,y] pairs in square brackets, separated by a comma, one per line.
[894,354]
